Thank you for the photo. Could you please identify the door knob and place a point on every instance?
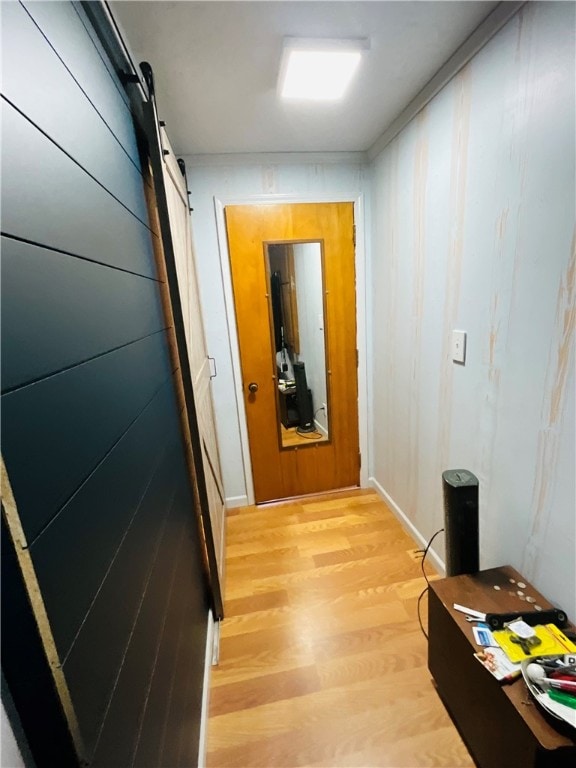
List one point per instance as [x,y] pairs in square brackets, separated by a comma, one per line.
[253,387]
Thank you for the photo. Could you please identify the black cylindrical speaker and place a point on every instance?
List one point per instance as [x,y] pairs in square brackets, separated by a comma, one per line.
[460,489]
[305,408]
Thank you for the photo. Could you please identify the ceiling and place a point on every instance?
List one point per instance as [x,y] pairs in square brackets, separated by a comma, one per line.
[216,65]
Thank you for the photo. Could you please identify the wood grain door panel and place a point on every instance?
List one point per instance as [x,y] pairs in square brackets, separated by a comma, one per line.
[285,472]
[177,198]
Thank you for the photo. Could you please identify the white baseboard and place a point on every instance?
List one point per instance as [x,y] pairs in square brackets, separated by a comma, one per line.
[407,524]
[236,501]
[320,428]
[215,658]
[206,692]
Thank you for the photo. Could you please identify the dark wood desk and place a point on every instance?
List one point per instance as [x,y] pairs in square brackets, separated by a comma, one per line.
[289,413]
[501,724]
[289,410]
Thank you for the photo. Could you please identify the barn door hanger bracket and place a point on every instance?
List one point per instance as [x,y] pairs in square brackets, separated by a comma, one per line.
[128,77]
[146,70]
[182,166]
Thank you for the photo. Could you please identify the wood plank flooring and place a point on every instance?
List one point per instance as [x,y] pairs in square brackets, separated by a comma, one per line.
[290,436]
[322,661]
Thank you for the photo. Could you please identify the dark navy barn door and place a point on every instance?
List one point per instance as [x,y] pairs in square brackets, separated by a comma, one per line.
[91,434]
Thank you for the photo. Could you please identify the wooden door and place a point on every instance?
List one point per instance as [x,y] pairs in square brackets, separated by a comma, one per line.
[177,199]
[285,472]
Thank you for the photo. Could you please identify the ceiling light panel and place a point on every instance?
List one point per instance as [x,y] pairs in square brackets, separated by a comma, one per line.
[318,69]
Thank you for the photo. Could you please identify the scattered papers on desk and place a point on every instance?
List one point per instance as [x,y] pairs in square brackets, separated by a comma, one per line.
[498,664]
[483,636]
[552,641]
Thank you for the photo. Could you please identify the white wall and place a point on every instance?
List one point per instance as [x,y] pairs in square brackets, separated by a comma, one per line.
[473,211]
[310,297]
[237,178]
[10,756]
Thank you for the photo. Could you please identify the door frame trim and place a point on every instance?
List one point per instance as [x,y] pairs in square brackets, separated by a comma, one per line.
[220,204]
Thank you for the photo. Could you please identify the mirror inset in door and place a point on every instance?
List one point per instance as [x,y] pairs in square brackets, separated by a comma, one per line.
[296,279]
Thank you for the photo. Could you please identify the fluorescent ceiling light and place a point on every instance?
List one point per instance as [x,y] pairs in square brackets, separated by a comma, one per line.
[318,69]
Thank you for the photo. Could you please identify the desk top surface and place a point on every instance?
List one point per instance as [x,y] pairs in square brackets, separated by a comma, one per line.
[477,591]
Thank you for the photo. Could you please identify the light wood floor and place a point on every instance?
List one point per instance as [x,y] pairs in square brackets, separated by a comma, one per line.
[292,437]
[322,662]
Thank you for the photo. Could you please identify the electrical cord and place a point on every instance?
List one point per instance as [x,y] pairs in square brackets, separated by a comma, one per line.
[426,552]
[427,587]
[308,435]
[311,435]
[420,596]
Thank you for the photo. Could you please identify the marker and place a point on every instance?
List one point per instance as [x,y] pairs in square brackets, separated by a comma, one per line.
[562,698]
[512,676]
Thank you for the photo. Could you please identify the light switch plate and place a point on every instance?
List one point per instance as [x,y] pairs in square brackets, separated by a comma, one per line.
[459,346]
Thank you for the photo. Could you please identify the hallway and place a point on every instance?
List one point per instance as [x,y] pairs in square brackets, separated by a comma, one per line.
[322,661]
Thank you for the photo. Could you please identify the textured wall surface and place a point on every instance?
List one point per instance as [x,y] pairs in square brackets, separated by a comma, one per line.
[473,229]
[239,181]
[10,756]
[308,267]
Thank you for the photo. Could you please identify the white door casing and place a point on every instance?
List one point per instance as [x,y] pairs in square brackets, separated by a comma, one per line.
[362,312]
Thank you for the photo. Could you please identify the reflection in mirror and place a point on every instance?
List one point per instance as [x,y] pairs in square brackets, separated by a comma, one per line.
[297,313]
